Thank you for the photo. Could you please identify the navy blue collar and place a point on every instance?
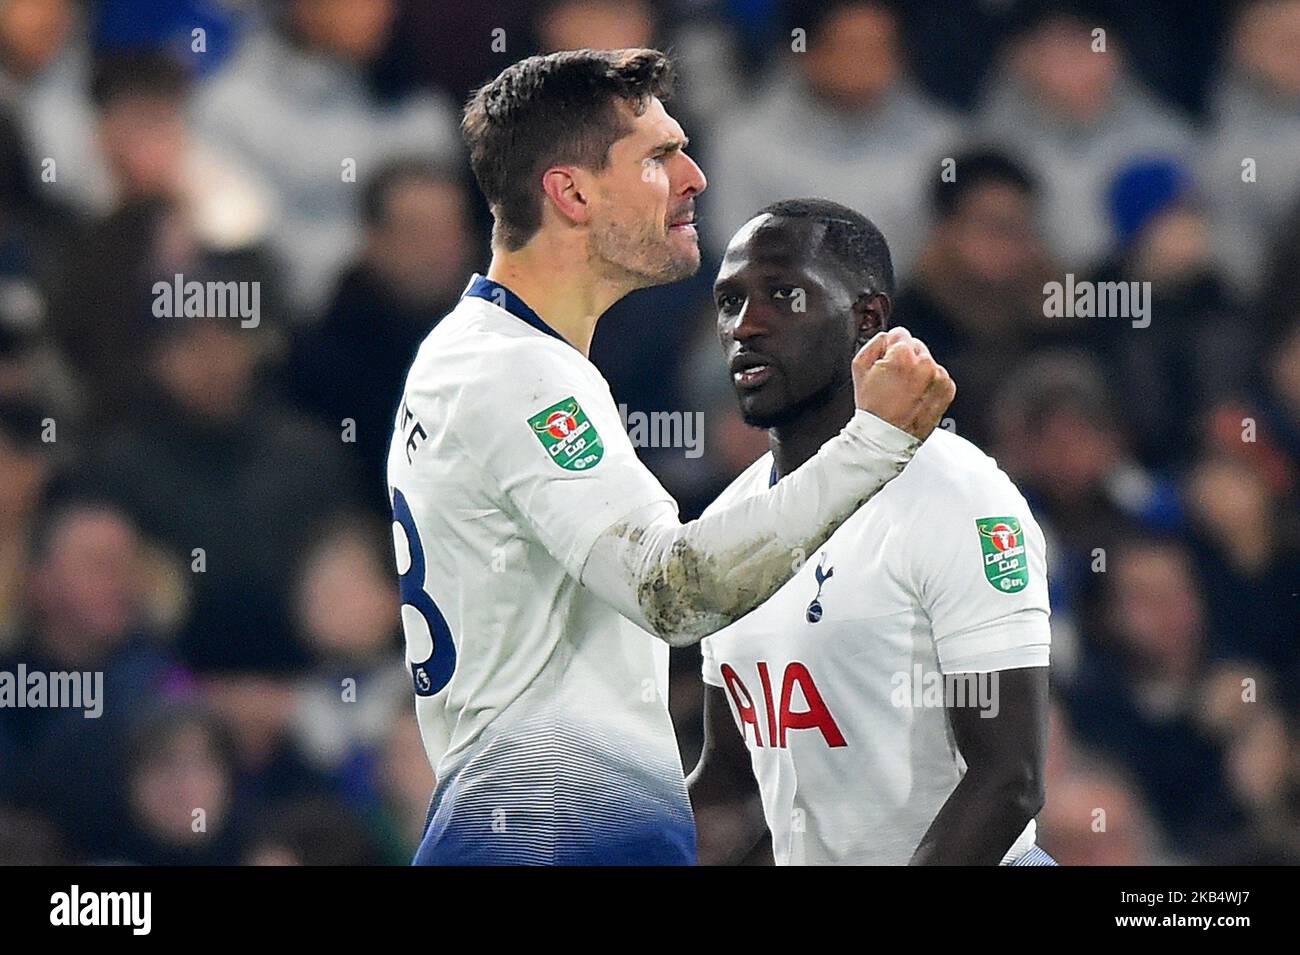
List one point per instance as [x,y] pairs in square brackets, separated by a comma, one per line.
[771,480]
[480,286]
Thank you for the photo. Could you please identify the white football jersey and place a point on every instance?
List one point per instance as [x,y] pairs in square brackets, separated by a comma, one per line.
[542,709]
[836,681]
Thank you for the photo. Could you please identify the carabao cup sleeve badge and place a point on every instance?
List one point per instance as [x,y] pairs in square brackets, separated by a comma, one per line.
[1002,544]
[568,435]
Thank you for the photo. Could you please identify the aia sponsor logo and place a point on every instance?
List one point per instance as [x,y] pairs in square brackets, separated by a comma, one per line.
[781,714]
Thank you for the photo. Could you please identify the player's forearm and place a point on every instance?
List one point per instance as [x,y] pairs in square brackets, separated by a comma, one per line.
[728,812]
[981,819]
[725,798]
[685,581]
[1003,787]
[727,833]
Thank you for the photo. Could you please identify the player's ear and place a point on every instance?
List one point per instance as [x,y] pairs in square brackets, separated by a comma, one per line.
[871,312]
[560,183]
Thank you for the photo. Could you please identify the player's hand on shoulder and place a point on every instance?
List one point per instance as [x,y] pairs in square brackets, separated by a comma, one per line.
[897,380]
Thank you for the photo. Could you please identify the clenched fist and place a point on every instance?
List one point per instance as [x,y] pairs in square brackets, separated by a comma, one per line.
[896,380]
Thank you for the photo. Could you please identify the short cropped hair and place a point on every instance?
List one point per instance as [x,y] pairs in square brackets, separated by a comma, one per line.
[850,237]
[544,110]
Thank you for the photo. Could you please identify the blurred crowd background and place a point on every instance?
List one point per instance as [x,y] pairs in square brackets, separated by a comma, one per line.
[197,509]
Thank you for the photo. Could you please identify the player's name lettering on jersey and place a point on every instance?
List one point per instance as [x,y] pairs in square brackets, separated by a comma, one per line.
[415,434]
[779,718]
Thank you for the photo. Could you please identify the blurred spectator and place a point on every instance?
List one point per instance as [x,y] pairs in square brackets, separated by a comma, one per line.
[1139,694]
[181,208]
[144,134]
[179,792]
[1248,566]
[45,79]
[317,128]
[171,25]
[315,830]
[97,311]
[1262,757]
[976,297]
[34,231]
[1262,762]
[595,24]
[348,615]
[312,831]
[840,121]
[1170,370]
[88,614]
[1059,433]
[230,481]
[1077,114]
[1094,817]
[1249,166]
[25,469]
[405,784]
[89,610]
[415,260]
[1261,426]
[258,710]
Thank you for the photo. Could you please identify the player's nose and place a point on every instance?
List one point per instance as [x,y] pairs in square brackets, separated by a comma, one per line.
[693,180]
[749,322]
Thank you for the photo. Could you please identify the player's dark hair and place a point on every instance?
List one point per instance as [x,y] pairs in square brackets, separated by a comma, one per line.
[850,237]
[375,192]
[975,169]
[138,73]
[544,110]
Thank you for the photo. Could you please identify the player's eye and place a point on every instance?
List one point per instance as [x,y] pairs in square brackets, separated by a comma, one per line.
[783,292]
[728,303]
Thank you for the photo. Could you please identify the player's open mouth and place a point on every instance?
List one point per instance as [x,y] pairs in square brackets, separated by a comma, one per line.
[752,377]
[750,372]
